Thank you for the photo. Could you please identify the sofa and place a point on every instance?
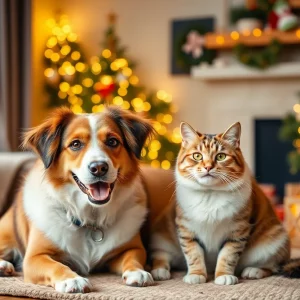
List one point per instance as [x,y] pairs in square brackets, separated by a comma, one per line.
[13,166]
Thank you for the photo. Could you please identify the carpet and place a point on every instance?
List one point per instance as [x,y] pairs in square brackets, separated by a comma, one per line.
[110,287]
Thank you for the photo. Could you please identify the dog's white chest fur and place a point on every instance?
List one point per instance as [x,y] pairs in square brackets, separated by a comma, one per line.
[209,216]
[122,220]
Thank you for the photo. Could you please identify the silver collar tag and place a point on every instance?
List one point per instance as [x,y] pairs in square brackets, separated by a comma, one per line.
[97,233]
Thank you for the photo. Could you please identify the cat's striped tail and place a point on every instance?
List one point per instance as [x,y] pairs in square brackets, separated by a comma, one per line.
[291,269]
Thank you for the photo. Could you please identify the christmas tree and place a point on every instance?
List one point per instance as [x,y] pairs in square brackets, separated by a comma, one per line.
[290,131]
[65,64]
[109,79]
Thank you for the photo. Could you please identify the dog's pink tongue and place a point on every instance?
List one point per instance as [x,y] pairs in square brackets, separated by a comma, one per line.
[99,191]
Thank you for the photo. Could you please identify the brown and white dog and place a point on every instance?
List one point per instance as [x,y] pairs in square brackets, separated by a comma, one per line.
[83,203]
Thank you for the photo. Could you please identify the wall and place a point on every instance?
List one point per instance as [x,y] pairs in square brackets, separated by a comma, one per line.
[144,26]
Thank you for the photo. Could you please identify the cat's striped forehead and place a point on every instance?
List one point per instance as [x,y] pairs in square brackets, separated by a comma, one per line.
[207,135]
[210,142]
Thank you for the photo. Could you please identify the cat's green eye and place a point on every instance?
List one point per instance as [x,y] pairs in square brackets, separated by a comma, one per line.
[197,156]
[221,156]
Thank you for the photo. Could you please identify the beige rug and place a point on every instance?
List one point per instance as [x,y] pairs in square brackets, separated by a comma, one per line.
[110,287]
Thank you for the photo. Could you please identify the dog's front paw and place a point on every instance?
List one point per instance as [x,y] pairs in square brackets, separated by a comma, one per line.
[6,268]
[226,280]
[194,279]
[74,285]
[161,274]
[137,278]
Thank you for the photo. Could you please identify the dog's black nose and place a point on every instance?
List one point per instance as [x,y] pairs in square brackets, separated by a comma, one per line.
[98,168]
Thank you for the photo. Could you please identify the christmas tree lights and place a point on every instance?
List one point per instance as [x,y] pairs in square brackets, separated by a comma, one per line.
[65,64]
[290,131]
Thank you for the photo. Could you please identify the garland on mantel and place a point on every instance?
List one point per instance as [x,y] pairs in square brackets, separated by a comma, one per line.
[265,5]
[260,59]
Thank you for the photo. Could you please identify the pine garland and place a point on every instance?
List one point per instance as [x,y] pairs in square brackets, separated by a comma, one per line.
[265,5]
[260,59]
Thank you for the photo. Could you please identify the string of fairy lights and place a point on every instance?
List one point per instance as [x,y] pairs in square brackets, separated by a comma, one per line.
[221,39]
[296,108]
[88,85]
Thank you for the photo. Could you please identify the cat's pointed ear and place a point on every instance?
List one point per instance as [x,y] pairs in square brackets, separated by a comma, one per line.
[188,134]
[233,135]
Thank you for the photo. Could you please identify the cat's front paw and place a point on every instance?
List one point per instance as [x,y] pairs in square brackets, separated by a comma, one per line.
[226,280]
[161,274]
[194,279]
[137,278]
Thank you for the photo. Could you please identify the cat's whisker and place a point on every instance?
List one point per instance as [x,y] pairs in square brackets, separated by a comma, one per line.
[227,181]
[232,183]
[190,176]
[173,194]
[238,186]
[231,177]
[170,185]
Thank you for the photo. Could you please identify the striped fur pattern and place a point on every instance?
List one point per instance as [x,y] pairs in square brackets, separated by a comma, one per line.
[225,224]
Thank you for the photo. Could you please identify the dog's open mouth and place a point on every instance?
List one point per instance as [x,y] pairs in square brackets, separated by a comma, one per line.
[98,192]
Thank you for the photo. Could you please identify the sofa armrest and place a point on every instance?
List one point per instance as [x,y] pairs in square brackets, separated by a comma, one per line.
[13,166]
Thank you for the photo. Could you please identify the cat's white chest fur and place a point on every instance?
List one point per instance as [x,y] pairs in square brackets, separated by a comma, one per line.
[210,207]
[209,215]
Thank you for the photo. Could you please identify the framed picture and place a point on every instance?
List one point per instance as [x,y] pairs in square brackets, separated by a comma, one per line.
[187,46]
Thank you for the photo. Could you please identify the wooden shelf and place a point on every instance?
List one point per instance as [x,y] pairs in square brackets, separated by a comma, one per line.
[255,38]
[293,3]
[234,72]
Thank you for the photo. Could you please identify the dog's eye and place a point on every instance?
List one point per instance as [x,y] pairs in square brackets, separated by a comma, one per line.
[76,145]
[112,142]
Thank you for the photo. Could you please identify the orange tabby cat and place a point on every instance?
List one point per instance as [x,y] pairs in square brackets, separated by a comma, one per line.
[225,223]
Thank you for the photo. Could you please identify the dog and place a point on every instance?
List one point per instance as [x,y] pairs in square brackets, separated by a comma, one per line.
[83,203]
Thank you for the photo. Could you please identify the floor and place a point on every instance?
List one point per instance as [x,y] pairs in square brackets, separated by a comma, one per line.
[295,253]
[13,298]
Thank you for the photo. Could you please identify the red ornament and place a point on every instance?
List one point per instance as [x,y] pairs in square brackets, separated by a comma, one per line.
[273,20]
[281,16]
[106,90]
[279,209]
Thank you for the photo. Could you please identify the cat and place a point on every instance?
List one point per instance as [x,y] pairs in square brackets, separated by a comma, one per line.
[225,223]
[219,221]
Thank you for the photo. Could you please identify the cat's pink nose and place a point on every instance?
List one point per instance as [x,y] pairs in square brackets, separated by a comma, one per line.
[208,168]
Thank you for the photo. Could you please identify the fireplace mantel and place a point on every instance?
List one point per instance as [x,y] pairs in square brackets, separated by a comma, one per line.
[238,71]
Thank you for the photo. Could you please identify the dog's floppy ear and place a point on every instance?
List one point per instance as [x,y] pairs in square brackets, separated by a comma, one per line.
[45,139]
[135,129]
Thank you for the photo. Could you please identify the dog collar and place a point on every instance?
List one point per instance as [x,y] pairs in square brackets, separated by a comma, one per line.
[96,232]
